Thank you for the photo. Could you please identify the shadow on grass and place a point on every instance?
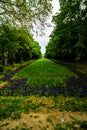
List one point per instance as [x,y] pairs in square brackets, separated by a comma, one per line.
[78,83]
[19,87]
[9,75]
[73,86]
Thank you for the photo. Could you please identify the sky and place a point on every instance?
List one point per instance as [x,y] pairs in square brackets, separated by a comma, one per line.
[43,40]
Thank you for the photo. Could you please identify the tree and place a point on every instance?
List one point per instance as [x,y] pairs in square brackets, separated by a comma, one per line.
[17,44]
[51,50]
[8,43]
[27,47]
[69,34]
[36,52]
[24,12]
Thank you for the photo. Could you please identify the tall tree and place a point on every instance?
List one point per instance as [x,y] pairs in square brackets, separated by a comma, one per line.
[70,30]
[8,43]
[17,44]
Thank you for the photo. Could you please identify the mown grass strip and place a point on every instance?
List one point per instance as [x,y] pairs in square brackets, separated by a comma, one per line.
[44,72]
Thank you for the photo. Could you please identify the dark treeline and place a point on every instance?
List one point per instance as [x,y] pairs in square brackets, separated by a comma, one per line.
[68,40]
[17,44]
[17,20]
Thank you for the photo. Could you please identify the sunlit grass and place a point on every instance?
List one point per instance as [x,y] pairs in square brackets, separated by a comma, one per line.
[52,112]
[3,83]
[44,72]
[14,106]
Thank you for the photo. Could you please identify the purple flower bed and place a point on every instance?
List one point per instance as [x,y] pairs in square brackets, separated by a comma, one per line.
[19,87]
[77,87]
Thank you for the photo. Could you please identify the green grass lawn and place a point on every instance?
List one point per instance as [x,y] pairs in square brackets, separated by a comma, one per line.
[44,72]
[39,111]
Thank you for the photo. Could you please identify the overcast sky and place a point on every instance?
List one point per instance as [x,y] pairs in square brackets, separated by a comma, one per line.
[43,40]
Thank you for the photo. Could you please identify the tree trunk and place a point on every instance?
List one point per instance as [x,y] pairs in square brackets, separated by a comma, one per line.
[3,58]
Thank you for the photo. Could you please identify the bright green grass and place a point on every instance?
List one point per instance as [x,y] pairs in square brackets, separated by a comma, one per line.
[44,72]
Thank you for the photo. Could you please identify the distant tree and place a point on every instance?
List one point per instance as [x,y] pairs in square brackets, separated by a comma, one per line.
[36,52]
[25,41]
[29,49]
[17,44]
[50,50]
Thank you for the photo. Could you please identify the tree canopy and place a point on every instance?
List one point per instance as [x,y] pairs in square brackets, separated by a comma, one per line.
[25,12]
[17,19]
[68,41]
[17,45]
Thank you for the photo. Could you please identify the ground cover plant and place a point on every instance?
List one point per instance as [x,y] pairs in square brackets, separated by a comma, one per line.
[47,94]
[43,112]
[44,72]
[41,105]
[45,78]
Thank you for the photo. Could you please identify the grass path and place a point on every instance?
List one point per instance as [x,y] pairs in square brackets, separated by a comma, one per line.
[44,72]
[44,77]
[40,111]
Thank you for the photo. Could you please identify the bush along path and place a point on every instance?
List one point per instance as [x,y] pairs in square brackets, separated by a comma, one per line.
[9,75]
[45,78]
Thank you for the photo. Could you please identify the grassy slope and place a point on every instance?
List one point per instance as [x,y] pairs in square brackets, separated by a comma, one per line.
[44,72]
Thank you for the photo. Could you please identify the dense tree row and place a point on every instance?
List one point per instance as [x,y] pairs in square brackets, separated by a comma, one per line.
[69,38]
[17,44]
[17,20]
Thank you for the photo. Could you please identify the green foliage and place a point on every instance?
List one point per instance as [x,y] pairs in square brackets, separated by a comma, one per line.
[70,104]
[16,115]
[25,13]
[8,43]
[74,125]
[68,39]
[44,72]
[17,44]
[1,68]
[13,107]
[35,50]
